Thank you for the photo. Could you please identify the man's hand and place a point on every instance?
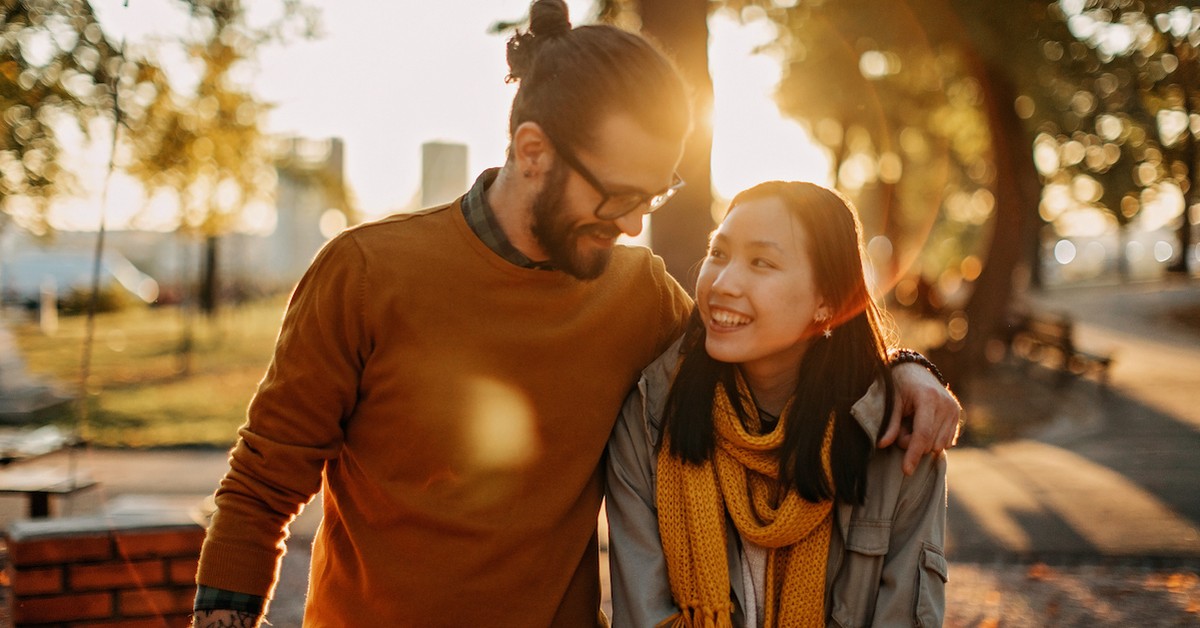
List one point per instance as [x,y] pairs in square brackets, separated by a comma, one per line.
[224,619]
[936,415]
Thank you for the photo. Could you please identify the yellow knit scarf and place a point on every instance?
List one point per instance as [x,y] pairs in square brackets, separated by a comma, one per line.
[741,478]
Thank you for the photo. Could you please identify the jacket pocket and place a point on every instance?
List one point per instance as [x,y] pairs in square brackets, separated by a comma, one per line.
[931,592]
[853,595]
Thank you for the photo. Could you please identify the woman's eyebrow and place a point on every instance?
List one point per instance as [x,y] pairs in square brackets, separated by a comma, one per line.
[766,244]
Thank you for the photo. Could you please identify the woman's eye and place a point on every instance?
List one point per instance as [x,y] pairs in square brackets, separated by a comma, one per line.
[716,254]
[764,263]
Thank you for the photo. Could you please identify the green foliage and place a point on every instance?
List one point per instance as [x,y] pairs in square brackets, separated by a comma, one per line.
[137,394]
[55,64]
[205,146]
[111,298]
[1124,79]
[890,90]
[1096,81]
[58,68]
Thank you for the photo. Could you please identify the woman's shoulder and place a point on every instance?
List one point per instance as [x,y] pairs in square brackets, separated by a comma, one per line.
[643,408]
[890,492]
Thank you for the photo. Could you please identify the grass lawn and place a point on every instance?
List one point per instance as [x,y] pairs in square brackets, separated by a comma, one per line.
[142,392]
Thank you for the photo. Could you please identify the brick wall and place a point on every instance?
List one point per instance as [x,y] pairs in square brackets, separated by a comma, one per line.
[78,572]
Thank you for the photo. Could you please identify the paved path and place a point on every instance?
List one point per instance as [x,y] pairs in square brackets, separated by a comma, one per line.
[1116,473]
[1115,477]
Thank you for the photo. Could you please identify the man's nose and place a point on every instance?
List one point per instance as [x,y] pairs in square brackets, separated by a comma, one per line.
[630,224]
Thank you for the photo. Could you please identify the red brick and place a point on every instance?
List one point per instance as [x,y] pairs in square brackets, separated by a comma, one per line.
[56,608]
[117,575]
[155,602]
[37,580]
[179,620]
[183,570]
[60,550]
[183,542]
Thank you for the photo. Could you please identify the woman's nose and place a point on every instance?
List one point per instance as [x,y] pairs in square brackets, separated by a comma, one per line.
[728,280]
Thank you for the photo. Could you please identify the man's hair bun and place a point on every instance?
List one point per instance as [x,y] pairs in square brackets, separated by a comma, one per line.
[547,19]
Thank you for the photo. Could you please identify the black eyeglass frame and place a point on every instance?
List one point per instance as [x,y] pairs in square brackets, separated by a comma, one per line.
[633,200]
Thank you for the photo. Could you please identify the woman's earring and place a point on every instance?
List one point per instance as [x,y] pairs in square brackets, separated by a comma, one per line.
[823,318]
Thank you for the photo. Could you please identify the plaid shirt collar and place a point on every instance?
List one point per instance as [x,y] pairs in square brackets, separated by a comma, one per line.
[482,220]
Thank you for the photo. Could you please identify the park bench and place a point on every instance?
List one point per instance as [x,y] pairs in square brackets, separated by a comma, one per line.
[1048,339]
[37,483]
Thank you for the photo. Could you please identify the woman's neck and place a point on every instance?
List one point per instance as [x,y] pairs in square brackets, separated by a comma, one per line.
[773,382]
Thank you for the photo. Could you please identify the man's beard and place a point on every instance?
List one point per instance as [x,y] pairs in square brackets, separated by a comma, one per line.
[559,238]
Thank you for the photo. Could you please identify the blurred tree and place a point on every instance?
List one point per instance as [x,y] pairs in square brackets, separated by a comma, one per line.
[918,102]
[204,145]
[56,65]
[901,121]
[1141,70]
[60,71]
[936,109]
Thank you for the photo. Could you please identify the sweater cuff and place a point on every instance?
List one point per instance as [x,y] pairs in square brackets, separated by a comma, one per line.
[253,571]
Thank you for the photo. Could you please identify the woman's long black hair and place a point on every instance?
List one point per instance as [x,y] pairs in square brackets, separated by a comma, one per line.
[835,372]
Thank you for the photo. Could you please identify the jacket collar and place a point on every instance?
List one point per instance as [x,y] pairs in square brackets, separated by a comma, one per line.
[656,379]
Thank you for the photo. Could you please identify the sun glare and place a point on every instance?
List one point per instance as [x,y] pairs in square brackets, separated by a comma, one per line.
[463,99]
[752,141]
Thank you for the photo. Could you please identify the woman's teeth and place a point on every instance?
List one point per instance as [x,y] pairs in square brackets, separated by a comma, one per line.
[729,319]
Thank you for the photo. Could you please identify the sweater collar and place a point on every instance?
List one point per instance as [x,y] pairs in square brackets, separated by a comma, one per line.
[482,219]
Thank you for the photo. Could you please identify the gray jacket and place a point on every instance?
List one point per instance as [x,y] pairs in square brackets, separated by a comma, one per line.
[886,567]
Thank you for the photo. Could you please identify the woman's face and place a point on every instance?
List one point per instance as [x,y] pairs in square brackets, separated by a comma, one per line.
[756,291]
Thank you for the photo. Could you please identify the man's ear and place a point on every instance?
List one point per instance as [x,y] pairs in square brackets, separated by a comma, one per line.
[531,150]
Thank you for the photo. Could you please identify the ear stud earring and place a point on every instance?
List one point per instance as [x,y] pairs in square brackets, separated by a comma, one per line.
[823,318]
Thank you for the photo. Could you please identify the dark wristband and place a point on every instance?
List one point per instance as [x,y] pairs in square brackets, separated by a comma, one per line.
[214,599]
[901,356]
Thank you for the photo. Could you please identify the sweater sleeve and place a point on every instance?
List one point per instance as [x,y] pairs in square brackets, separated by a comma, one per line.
[675,306]
[294,423]
[641,594]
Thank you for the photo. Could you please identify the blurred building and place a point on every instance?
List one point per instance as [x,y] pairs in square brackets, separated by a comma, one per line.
[443,172]
[310,207]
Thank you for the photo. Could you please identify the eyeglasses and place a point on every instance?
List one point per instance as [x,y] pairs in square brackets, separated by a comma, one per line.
[614,205]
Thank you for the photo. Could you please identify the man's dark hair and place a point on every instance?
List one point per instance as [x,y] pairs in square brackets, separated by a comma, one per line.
[572,78]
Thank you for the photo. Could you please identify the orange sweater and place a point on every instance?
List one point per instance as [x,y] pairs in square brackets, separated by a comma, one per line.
[454,408]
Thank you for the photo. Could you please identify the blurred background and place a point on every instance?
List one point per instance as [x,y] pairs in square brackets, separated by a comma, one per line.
[187,158]
[1024,170]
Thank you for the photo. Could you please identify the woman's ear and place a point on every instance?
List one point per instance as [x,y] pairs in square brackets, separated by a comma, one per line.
[823,312]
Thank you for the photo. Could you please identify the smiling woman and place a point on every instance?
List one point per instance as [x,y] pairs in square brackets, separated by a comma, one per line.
[765,415]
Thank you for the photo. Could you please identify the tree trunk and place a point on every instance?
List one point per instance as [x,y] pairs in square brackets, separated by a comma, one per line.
[679,232]
[209,278]
[1017,190]
[1191,197]
[1189,60]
